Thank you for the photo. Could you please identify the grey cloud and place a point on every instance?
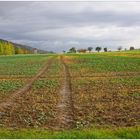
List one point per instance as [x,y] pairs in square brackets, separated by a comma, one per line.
[42,24]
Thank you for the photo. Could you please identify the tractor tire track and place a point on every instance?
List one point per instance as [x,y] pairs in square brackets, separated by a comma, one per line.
[8,102]
[65,118]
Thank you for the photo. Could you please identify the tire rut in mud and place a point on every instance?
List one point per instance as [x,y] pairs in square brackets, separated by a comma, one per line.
[65,116]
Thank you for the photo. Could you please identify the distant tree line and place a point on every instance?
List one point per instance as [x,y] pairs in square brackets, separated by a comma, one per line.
[98,49]
[130,48]
[7,48]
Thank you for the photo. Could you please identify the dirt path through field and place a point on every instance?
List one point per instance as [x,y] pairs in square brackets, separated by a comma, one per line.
[65,106]
[8,102]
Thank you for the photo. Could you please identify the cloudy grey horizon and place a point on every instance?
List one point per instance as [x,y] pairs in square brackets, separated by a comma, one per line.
[57,26]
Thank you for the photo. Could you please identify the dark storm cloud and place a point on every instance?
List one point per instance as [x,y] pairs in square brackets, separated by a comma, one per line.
[58,25]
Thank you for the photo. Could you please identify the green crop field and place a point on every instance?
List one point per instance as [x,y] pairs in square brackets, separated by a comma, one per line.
[89,95]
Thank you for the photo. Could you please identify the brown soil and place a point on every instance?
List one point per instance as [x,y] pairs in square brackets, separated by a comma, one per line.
[65,118]
[102,103]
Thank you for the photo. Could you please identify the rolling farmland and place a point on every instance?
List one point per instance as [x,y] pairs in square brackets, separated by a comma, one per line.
[70,95]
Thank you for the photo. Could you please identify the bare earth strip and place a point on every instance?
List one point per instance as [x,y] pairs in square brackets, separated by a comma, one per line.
[8,102]
[65,117]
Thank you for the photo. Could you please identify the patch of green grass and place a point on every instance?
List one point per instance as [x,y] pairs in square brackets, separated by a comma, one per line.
[87,64]
[127,133]
[132,53]
[55,69]
[9,85]
[135,94]
[45,83]
[21,64]
[131,81]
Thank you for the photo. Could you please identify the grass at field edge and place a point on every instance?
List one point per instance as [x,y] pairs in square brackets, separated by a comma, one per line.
[127,133]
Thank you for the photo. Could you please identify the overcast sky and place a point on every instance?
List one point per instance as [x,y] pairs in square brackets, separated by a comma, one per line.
[58,26]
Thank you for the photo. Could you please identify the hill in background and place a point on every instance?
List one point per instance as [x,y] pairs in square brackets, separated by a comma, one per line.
[9,48]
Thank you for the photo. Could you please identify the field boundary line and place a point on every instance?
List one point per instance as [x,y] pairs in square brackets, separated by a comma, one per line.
[108,76]
[10,100]
[94,77]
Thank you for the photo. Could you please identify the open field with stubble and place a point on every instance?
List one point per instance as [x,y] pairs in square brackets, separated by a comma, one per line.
[94,95]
